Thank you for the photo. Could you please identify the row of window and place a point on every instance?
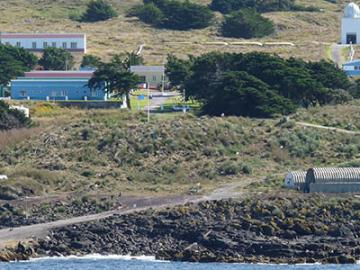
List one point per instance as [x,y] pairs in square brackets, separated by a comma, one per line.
[34,45]
[357,67]
[143,78]
[61,93]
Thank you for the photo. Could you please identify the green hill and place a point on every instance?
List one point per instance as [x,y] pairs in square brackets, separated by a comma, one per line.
[311,32]
[112,151]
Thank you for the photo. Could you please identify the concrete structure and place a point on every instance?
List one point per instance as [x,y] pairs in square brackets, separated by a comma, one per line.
[295,180]
[333,180]
[55,85]
[350,24]
[152,75]
[352,68]
[39,41]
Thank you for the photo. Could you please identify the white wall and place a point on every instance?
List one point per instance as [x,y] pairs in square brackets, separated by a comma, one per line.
[26,43]
[350,26]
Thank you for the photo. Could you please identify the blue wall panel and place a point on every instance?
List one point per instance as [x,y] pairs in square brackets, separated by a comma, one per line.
[57,89]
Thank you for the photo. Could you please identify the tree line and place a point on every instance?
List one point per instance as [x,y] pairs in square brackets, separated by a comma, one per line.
[257,84]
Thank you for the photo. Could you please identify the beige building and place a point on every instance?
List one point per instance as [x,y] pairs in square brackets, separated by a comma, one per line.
[153,75]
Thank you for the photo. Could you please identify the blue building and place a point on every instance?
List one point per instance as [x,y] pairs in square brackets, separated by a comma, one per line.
[352,68]
[55,85]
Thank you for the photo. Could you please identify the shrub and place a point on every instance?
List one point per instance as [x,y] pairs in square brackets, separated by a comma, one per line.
[98,10]
[10,118]
[148,13]
[173,14]
[246,23]
[228,6]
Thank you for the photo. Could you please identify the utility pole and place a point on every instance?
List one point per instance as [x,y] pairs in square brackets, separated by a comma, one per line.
[148,108]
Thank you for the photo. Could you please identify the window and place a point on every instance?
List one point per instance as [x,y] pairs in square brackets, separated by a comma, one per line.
[34,45]
[53,44]
[93,93]
[154,78]
[142,78]
[63,93]
[7,43]
[45,45]
[73,45]
[18,44]
[64,45]
[23,93]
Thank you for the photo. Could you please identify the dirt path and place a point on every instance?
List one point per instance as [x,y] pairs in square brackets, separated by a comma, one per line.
[336,54]
[23,233]
[10,236]
[340,130]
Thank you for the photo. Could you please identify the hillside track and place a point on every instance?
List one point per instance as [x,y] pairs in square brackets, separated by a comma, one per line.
[9,236]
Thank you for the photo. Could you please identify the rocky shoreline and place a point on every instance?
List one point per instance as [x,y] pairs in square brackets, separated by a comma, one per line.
[267,230]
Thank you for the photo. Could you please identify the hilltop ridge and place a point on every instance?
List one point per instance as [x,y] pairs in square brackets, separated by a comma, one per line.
[311,32]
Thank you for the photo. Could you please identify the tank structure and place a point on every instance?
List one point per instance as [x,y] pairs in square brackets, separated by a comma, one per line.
[295,180]
[332,180]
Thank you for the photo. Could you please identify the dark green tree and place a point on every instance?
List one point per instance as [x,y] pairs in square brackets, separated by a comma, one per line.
[14,62]
[115,79]
[127,59]
[246,23]
[173,14]
[56,59]
[263,84]
[238,93]
[98,10]
[178,70]
[148,13]
[228,6]
[91,61]
[11,118]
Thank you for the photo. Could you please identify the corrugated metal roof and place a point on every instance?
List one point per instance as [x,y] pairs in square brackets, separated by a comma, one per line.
[295,179]
[333,175]
[298,176]
[147,69]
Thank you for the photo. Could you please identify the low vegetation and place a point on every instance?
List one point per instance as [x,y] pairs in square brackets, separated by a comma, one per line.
[228,6]
[112,151]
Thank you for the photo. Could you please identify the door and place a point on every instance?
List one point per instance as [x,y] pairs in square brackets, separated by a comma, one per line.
[350,38]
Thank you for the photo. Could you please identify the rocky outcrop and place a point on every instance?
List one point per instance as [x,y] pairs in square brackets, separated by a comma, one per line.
[280,230]
[23,251]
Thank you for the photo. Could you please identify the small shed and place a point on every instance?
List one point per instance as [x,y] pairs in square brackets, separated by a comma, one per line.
[295,179]
[335,180]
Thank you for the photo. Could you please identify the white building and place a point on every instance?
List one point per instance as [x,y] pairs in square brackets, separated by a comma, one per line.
[350,24]
[38,42]
[153,75]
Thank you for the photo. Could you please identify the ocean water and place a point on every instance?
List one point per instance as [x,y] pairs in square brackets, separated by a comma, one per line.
[95,262]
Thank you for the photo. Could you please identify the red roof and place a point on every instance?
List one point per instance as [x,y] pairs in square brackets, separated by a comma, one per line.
[41,35]
[59,74]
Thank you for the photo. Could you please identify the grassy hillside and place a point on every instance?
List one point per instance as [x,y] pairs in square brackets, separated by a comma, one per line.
[113,151]
[312,32]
